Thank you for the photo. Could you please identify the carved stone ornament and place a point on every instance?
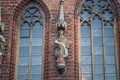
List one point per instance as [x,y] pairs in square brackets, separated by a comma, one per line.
[1,27]
[2,41]
[61,43]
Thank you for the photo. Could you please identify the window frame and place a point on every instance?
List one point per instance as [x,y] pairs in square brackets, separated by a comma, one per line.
[91,44]
[18,39]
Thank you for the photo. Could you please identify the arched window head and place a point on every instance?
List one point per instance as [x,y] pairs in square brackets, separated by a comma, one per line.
[30,44]
[98,54]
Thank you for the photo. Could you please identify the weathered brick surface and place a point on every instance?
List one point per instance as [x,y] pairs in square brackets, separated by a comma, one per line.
[11,10]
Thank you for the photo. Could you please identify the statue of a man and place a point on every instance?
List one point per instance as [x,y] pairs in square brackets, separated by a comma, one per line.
[61,49]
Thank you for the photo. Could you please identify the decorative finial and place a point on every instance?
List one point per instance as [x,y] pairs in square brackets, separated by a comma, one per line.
[62,25]
[61,17]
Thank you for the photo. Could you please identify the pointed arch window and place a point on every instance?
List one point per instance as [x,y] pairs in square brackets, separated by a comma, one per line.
[98,54]
[30,44]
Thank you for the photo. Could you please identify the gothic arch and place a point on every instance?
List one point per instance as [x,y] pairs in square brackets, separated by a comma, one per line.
[23,3]
[15,27]
[115,6]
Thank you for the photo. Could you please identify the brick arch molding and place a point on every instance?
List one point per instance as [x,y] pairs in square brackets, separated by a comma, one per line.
[16,13]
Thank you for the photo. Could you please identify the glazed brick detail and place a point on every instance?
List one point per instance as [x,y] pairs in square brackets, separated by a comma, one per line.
[11,10]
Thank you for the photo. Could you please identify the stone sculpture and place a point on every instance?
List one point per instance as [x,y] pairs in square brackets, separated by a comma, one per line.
[61,42]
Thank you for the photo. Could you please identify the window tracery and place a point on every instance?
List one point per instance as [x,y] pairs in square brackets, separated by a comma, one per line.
[30,46]
[97,41]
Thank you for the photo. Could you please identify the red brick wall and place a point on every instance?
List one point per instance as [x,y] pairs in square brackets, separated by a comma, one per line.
[11,10]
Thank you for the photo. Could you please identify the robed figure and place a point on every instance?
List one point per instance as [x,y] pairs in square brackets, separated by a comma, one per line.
[61,52]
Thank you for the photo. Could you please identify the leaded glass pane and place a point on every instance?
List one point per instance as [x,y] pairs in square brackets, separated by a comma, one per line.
[23,61]
[109,41]
[36,60]
[110,68]
[85,50]
[96,22]
[109,25]
[109,49]
[23,77]
[96,8]
[36,77]
[37,33]
[85,14]
[36,70]
[85,42]
[98,59]
[98,50]
[36,41]
[85,32]
[25,33]
[110,76]
[86,59]
[110,59]
[86,68]
[24,42]
[24,51]
[103,3]
[25,25]
[98,69]
[38,25]
[97,41]
[85,25]
[36,50]
[98,77]
[107,14]
[36,13]
[108,32]
[97,32]
[23,70]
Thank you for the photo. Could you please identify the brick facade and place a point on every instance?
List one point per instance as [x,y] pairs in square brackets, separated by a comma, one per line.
[11,10]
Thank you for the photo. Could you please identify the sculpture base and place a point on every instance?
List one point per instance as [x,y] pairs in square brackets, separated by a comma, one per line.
[61,69]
